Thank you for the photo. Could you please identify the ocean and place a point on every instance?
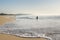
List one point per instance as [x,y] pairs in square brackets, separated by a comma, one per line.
[32,27]
[42,22]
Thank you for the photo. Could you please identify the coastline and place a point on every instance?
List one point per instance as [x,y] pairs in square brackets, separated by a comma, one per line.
[14,37]
[4,36]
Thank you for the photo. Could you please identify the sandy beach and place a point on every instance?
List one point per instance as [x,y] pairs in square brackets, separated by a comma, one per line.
[5,19]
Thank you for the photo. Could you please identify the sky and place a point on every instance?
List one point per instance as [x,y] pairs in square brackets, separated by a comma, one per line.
[34,7]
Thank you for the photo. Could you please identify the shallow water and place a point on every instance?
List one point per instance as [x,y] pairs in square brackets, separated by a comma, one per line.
[32,26]
[40,23]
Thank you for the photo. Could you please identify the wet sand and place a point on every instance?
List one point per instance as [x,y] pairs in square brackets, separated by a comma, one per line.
[12,37]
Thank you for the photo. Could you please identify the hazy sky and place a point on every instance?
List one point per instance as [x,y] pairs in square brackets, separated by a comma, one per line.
[35,7]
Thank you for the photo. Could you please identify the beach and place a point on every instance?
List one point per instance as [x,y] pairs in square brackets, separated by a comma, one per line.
[7,19]
[12,37]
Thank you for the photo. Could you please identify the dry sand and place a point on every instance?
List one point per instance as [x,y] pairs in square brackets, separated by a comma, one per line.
[4,19]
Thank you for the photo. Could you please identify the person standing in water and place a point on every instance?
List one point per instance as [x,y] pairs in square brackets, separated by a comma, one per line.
[37,17]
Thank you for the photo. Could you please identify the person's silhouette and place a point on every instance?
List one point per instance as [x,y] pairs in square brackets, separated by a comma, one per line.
[36,17]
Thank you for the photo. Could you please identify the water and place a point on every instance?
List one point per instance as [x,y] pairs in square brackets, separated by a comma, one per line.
[29,25]
[48,25]
[34,23]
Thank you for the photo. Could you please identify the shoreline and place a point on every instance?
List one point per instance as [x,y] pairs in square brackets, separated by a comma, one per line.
[45,38]
[6,36]
[14,37]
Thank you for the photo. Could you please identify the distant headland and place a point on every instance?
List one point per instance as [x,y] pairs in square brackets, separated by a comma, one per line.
[12,14]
